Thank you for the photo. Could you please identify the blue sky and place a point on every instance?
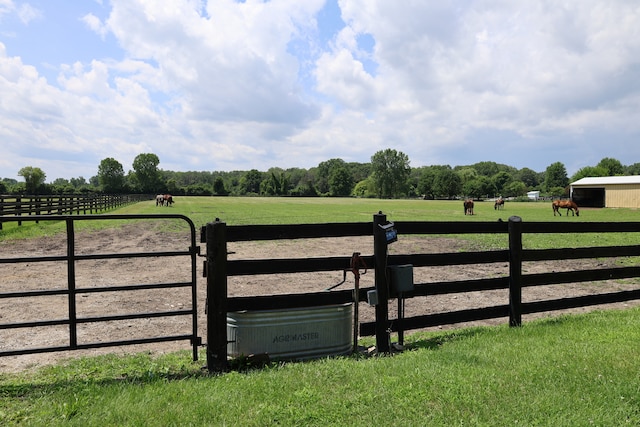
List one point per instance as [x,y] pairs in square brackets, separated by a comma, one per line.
[226,85]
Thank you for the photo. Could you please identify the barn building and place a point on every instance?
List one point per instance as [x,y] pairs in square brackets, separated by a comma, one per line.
[607,192]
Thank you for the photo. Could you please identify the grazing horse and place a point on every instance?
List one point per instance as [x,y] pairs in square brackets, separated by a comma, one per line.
[499,204]
[160,200]
[168,199]
[569,205]
[468,207]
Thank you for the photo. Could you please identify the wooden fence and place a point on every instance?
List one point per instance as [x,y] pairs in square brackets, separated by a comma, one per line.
[64,204]
[218,268]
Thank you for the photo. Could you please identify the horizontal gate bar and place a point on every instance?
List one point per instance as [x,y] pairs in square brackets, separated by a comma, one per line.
[97,345]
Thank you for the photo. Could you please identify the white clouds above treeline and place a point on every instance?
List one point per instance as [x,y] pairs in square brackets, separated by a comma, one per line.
[225,85]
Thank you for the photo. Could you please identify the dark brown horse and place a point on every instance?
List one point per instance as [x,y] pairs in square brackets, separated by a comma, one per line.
[168,199]
[499,204]
[569,205]
[468,207]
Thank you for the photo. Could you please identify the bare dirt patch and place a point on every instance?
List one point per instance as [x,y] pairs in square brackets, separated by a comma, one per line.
[145,237]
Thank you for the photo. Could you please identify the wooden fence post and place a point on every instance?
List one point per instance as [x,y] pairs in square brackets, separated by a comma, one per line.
[515,271]
[216,305]
[382,308]
[19,208]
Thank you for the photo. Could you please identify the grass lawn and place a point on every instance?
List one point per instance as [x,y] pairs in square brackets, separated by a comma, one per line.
[569,371]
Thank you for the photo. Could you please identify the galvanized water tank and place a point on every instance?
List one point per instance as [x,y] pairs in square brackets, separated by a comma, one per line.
[291,334]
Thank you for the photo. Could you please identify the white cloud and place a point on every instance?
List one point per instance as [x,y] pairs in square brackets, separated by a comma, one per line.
[6,6]
[28,13]
[241,85]
[231,64]
[95,24]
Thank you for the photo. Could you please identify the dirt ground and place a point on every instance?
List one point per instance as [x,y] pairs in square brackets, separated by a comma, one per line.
[145,237]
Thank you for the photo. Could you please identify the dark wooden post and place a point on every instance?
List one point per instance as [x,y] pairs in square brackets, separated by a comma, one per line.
[515,271]
[216,305]
[19,208]
[382,308]
[71,284]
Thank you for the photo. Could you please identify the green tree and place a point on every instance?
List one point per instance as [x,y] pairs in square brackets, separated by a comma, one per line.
[340,182]
[250,182]
[78,182]
[323,174]
[515,189]
[172,186]
[587,171]
[198,190]
[390,171]
[467,174]
[480,187]
[272,185]
[530,177]
[147,175]
[218,187]
[500,180]
[555,177]
[487,169]
[303,183]
[424,186]
[446,183]
[612,166]
[33,178]
[364,188]
[111,175]
[276,183]
[359,171]
[633,169]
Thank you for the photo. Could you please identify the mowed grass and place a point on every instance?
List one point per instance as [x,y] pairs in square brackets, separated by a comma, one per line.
[576,370]
[261,210]
[564,371]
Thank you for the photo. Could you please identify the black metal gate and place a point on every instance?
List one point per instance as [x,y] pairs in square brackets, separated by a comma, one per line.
[74,295]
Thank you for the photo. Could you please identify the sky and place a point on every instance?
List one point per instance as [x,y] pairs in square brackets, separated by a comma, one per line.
[238,85]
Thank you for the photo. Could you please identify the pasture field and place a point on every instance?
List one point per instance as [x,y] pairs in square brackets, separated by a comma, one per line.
[272,210]
[282,210]
[564,371]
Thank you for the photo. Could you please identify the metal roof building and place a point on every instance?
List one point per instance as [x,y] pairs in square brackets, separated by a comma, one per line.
[608,191]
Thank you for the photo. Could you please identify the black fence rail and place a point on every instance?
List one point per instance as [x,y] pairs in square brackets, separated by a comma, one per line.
[63,204]
[72,293]
[219,268]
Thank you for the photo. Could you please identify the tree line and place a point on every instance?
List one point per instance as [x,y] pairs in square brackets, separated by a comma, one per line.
[387,175]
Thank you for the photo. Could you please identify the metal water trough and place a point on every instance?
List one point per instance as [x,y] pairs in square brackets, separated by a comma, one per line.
[291,334]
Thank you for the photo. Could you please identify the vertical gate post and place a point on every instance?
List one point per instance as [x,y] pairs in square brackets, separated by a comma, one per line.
[71,284]
[515,271]
[382,308]
[216,308]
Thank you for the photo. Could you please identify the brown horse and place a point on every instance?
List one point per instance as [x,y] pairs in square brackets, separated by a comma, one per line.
[569,205]
[168,199]
[499,204]
[468,207]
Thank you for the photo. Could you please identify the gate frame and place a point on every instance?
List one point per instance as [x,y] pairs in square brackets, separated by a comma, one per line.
[72,291]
